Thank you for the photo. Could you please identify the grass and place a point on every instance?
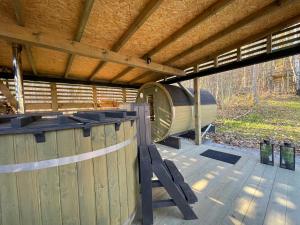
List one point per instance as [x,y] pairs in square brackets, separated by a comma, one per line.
[275,118]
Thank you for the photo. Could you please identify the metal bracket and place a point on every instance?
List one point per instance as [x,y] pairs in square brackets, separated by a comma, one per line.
[40,137]
[117,126]
[132,122]
[86,131]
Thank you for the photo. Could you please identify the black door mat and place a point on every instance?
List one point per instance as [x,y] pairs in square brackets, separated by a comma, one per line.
[221,156]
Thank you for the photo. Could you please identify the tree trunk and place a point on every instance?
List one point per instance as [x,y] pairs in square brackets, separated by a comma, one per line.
[254,84]
[295,66]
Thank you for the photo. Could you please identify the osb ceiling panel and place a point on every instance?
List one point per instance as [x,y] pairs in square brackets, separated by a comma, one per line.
[132,74]
[109,19]
[57,16]
[169,17]
[257,26]
[7,13]
[83,66]
[109,70]
[211,26]
[151,77]
[49,61]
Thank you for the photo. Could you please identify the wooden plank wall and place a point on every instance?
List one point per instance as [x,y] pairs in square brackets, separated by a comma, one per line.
[101,190]
[44,96]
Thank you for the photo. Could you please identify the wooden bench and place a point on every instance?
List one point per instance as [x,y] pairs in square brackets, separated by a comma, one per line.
[169,178]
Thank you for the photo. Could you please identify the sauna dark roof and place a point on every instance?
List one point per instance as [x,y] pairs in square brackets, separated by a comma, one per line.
[181,98]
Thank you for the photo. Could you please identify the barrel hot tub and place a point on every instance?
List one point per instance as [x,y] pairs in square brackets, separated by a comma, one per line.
[172,110]
[78,169]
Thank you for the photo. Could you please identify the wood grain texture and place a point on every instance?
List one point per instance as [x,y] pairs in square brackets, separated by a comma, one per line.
[102,190]
[151,6]
[27,182]
[9,206]
[48,181]
[68,182]
[122,176]
[101,179]
[22,35]
[113,176]
[247,193]
[129,169]
[86,187]
[171,119]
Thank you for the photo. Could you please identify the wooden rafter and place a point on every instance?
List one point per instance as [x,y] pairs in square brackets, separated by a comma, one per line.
[264,57]
[19,12]
[248,19]
[207,13]
[210,11]
[138,22]
[88,5]
[23,35]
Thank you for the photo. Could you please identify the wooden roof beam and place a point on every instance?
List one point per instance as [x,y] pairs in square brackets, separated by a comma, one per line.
[147,11]
[88,5]
[210,11]
[19,12]
[248,19]
[23,35]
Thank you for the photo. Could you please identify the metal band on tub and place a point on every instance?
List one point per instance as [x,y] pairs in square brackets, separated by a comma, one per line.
[30,166]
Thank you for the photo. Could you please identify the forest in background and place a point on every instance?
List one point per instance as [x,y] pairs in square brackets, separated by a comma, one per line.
[257,102]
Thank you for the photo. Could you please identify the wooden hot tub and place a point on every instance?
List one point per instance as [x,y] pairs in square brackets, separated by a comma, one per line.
[78,169]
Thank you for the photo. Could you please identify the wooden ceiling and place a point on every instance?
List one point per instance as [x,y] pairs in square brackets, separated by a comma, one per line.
[109,40]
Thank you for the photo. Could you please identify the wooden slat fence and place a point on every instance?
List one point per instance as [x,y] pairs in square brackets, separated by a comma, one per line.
[44,96]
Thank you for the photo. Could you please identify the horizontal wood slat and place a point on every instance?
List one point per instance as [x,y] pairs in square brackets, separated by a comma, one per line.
[39,96]
[286,37]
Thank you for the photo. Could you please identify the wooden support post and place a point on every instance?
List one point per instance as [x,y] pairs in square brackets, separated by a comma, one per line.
[95,100]
[196,67]
[54,97]
[216,61]
[269,43]
[239,54]
[124,94]
[197,111]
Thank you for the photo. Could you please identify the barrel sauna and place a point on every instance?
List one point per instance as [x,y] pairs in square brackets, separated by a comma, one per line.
[78,169]
[172,109]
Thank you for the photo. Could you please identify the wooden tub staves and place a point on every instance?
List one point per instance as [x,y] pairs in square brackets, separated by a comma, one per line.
[78,169]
